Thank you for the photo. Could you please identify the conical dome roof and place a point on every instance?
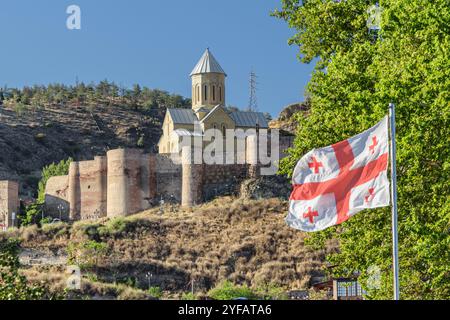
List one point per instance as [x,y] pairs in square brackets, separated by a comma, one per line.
[207,64]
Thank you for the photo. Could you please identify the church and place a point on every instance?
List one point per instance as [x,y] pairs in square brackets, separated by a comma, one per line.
[126,181]
[208,107]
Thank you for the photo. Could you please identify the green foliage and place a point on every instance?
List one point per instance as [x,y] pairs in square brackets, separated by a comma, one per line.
[104,93]
[271,292]
[55,169]
[188,296]
[113,227]
[87,254]
[31,214]
[226,290]
[141,141]
[55,229]
[14,286]
[354,81]
[19,108]
[155,292]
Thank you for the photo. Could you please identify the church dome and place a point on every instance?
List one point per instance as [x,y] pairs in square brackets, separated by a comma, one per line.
[207,64]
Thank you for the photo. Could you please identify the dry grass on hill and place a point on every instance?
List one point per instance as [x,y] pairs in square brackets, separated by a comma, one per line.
[244,241]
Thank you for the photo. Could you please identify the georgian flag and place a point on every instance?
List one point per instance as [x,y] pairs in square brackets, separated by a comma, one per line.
[332,184]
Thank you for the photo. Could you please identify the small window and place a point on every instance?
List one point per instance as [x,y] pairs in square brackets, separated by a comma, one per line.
[224,129]
[206,92]
[214,93]
[198,94]
[220,94]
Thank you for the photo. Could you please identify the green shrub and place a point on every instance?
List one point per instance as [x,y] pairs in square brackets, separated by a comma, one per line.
[271,292]
[113,227]
[86,254]
[55,229]
[13,285]
[226,290]
[46,220]
[140,142]
[30,214]
[19,108]
[188,296]
[155,292]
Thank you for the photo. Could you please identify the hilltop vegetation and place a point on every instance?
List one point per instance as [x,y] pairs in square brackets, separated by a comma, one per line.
[245,242]
[104,93]
[41,125]
[358,74]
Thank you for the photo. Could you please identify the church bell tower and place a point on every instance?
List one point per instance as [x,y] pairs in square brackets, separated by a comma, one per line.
[208,84]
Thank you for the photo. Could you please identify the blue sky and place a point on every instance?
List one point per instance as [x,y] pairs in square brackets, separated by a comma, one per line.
[155,43]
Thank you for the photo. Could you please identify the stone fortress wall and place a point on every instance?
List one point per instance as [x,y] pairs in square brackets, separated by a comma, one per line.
[9,203]
[127,181]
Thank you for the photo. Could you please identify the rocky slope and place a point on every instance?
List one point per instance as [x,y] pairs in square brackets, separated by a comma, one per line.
[286,120]
[34,139]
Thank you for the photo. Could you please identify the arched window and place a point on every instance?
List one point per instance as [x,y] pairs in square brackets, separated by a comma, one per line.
[206,92]
[197,97]
[214,93]
[224,129]
[220,94]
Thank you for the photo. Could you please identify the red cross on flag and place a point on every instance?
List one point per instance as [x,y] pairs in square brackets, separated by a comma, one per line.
[332,184]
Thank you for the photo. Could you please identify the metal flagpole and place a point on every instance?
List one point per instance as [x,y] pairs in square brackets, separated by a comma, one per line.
[394,201]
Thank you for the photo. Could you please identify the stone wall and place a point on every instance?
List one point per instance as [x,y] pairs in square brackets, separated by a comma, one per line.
[223,179]
[121,183]
[9,203]
[168,179]
[56,197]
[86,191]
[92,188]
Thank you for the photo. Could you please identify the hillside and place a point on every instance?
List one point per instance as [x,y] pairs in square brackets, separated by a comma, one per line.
[42,125]
[244,241]
[32,140]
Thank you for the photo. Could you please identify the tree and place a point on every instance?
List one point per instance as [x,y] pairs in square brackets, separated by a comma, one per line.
[13,285]
[136,95]
[355,79]
[52,170]
[2,96]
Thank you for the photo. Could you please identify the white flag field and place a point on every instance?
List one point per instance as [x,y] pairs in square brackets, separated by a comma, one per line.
[333,183]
